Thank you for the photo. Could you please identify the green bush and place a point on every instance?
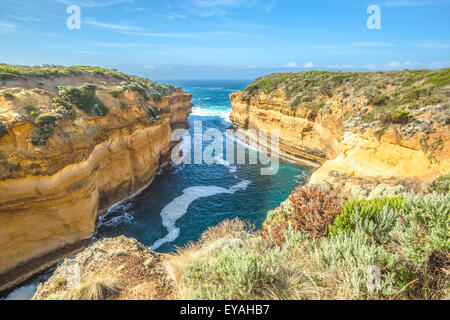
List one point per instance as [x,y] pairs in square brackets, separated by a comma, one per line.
[32,110]
[363,208]
[7,95]
[84,98]
[44,134]
[439,78]
[402,115]
[3,131]
[416,93]
[233,273]
[46,119]
[116,92]
[424,227]
[382,99]
[410,81]
[100,109]
[297,101]
[62,106]
[154,113]
[351,258]
[440,185]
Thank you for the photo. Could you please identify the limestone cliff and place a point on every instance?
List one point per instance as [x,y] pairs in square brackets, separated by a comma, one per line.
[72,144]
[363,129]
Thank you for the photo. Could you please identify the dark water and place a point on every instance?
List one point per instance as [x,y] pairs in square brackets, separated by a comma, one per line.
[210,193]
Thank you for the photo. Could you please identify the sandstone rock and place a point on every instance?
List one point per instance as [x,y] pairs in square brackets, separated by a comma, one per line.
[57,190]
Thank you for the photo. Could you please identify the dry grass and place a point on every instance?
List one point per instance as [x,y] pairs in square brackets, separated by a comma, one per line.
[95,289]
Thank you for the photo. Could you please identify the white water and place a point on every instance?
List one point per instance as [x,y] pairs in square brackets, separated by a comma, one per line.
[223,113]
[179,206]
[220,160]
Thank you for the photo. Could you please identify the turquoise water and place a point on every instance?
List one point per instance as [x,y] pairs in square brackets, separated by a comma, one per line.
[183,201]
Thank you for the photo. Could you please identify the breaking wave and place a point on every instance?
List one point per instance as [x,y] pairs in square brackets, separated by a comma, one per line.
[179,206]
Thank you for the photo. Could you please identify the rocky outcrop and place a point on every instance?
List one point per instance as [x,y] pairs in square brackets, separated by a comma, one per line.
[118,268]
[299,136]
[55,186]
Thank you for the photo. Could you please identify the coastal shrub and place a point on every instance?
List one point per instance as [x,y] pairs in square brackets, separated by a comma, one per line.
[314,210]
[116,92]
[382,99]
[398,249]
[410,81]
[353,261]
[154,113]
[138,87]
[378,226]
[7,95]
[339,79]
[400,116]
[422,238]
[440,185]
[46,119]
[363,208]
[156,96]
[297,101]
[64,107]
[42,136]
[32,110]
[425,226]
[439,78]
[238,273]
[84,98]
[3,131]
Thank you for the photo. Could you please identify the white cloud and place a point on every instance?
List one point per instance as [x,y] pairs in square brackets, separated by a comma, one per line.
[173,16]
[432,45]
[295,65]
[291,65]
[396,65]
[342,67]
[22,18]
[356,45]
[372,44]
[412,3]
[109,26]
[220,7]
[7,27]
[89,52]
[95,3]
[134,9]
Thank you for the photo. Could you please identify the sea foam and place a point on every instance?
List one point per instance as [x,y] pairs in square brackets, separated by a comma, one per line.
[179,206]
[212,112]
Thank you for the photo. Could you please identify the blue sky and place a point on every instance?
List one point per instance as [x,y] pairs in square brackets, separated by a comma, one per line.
[227,38]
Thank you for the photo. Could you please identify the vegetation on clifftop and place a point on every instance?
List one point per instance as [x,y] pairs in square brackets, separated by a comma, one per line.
[396,248]
[83,97]
[393,97]
[8,72]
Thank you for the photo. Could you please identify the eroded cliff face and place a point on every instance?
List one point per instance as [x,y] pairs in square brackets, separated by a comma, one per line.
[350,154]
[51,193]
[299,136]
